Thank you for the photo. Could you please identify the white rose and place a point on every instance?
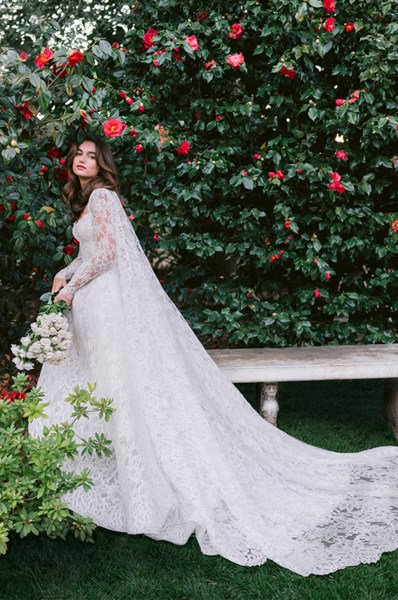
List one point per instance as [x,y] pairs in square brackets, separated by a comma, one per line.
[25,340]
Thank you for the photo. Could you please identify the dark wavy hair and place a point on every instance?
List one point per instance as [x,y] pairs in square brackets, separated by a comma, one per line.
[74,195]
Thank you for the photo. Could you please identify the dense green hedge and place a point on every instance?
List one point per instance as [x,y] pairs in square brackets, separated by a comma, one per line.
[270,179]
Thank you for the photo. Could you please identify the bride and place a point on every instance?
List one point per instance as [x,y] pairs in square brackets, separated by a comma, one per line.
[190,455]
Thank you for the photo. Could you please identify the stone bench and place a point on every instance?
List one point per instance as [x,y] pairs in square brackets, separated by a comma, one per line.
[269,366]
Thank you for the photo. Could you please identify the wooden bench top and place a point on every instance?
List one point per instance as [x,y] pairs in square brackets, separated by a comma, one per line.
[315,363]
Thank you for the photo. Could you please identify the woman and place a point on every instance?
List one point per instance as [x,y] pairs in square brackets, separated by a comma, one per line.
[190,454]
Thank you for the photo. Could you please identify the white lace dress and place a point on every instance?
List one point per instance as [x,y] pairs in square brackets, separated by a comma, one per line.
[190,455]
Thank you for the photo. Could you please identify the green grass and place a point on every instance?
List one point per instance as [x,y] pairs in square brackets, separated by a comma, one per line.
[344,416]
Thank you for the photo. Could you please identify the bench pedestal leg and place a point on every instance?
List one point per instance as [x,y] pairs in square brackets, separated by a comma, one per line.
[267,403]
[391,403]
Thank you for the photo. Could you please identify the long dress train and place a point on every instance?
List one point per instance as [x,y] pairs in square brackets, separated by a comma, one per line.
[190,455]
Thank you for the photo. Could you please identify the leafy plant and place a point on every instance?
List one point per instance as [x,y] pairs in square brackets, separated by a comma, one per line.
[32,479]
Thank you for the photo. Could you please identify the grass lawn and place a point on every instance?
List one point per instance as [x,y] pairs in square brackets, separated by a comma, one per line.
[342,416]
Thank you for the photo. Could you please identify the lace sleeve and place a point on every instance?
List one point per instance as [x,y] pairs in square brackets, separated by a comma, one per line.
[69,270]
[101,205]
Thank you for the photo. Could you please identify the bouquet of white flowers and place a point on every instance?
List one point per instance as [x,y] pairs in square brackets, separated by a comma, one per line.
[48,339]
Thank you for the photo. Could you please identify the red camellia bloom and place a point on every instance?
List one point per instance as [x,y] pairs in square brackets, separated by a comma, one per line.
[218,117]
[394,226]
[183,148]
[280,174]
[335,184]
[340,102]
[43,58]
[139,148]
[193,42]
[69,249]
[288,72]
[129,101]
[23,56]
[148,38]
[329,24]
[155,63]
[26,216]
[329,5]
[113,128]
[287,224]
[257,156]
[235,31]
[54,153]
[133,133]
[60,71]
[74,58]
[141,108]
[327,275]
[210,65]
[349,26]
[341,155]
[25,110]
[235,60]
[317,294]
[115,45]
[39,224]
[122,95]
[156,237]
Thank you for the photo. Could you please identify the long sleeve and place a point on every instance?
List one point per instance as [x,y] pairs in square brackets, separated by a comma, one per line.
[69,270]
[101,207]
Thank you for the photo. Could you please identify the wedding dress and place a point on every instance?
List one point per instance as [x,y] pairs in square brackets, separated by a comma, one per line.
[190,455]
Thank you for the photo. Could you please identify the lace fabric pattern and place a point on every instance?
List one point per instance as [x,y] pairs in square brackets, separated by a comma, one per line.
[190,455]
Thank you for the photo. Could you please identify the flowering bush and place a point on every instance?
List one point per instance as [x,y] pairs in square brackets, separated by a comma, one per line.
[32,481]
[200,108]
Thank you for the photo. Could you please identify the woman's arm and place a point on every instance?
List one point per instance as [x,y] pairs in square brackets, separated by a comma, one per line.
[101,203]
[69,270]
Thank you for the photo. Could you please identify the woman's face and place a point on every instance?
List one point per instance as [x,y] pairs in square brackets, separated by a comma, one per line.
[85,164]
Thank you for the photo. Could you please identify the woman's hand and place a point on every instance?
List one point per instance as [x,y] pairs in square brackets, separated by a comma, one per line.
[61,296]
[58,283]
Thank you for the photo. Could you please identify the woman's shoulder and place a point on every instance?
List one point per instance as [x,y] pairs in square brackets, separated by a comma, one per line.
[102,194]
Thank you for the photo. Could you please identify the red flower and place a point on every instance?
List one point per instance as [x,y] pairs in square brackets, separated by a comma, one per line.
[202,15]
[148,38]
[94,89]
[133,133]
[394,226]
[341,155]
[63,176]
[122,95]
[183,148]
[235,60]
[210,65]
[69,249]
[327,275]
[115,45]
[299,171]
[129,101]
[26,216]
[23,56]
[335,184]
[60,71]
[329,5]
[280,175]
[218,117]
[113,128]
[340,102]
[287,224]
[54,153]
[43,58]
[139,148]
[141,108]
[25,110]
[193,42]
[235,31]
[288,72]
[76,242]
[248,295]
[317,294]
[349,26]
[244,173]
[155,63]
[74,58]
[43,170]
[39,224]
[156,237]
[330,24]
[257,156]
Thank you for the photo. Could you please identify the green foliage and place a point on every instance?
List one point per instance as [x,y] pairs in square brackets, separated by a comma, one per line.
[252,258]
[32,480]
